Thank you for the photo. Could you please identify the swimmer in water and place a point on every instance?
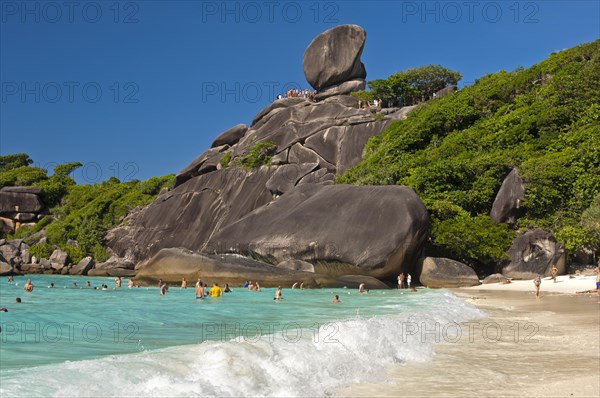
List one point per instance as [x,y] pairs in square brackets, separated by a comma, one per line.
[336,299]
[361,288]
[118,281]
[294,285]
[226,289]
[164,288]
[199,290]
[88,284]
[130,284]
[28,286]
[277,294]
[183,283]
[51,285]
[216,291]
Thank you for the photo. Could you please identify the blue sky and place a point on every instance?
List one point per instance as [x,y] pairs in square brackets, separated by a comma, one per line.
[136,89]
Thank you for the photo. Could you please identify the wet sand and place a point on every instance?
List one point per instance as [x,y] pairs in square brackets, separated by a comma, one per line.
[522,347]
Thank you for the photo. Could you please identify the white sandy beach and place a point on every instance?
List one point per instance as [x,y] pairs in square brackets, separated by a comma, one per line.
[549,347]
[564,284]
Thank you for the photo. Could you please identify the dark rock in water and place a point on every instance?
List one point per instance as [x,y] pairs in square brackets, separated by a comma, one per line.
[296,265]
[439,272]
[82,267]
[5,269]
[507,203]
[287,176]
[534,253]
[344,88]
[231,136]
[172,264]
[342,229]
[333,57]
[494,278]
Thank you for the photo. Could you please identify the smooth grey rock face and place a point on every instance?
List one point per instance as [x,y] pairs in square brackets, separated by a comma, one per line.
[494,278]
[189,214]
[439,272]
[313,143]
[534,253]
[58,259]
[333,57]
[172,264]
[344,88]
[20,202]
[82,267]
[286,177]
[231,136]
[296,265]
[5,269]
[374,231]
[507,202]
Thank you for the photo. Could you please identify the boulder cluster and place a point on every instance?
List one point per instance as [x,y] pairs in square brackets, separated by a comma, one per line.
[284,217]
[20,206]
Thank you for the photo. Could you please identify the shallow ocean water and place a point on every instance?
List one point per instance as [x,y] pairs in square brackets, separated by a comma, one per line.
[78,341]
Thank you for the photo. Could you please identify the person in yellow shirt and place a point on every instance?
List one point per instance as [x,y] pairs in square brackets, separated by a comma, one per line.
[216,291]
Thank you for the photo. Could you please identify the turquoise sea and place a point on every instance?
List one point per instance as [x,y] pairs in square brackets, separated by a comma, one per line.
[76,341]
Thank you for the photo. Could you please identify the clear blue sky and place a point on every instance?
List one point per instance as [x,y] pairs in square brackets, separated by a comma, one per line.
[140,88]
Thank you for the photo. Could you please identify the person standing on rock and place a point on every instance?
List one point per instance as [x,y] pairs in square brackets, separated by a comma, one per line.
[554,271]
[537,282]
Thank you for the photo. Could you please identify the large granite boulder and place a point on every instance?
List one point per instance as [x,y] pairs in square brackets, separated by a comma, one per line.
[82,267]
[189,214]
[534,253]
[231,136]
[439,272]
[507,202]
[5,269]
[311,144]
[19,202]
[494,278]
[342,229]
[59,259]
[333,57]
[171,265]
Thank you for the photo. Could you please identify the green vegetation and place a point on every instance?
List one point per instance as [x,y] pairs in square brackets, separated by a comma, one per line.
[259,155]
[83,213]
[225,159]
[455,152]
[411,86]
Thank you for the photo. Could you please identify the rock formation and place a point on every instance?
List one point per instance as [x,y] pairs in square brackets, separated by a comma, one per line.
[507,202]
[20,206]
[437,272]
[222,204]
[534,253]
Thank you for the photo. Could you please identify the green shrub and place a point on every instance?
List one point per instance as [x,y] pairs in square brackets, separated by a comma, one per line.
[225,159]
[76,253]
[259,155]
[42,250]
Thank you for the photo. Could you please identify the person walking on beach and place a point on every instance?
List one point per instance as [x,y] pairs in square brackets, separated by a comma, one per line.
[554,271]
[537,282]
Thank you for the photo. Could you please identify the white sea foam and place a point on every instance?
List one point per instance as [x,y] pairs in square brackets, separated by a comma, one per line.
[299,363]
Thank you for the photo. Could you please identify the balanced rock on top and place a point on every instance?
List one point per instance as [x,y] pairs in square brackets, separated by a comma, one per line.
[333,57]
